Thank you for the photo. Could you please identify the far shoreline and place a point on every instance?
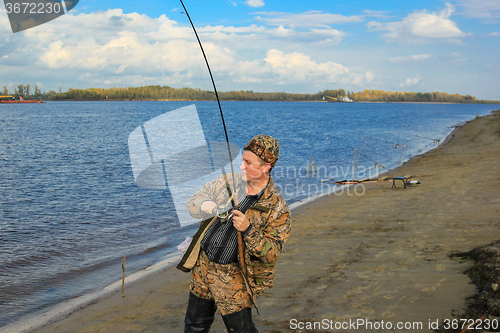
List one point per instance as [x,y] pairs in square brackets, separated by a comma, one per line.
[270,101]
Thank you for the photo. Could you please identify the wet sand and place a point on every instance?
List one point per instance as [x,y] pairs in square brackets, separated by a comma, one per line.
[380,256]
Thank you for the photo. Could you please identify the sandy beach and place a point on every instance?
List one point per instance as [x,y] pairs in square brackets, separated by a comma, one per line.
[379,256]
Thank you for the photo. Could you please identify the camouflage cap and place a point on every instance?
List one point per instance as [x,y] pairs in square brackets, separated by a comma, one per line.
[266,147]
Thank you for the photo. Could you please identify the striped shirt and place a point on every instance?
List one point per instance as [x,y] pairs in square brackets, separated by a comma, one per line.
[220,242]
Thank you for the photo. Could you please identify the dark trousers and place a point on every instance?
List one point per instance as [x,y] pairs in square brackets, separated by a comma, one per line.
[200,316]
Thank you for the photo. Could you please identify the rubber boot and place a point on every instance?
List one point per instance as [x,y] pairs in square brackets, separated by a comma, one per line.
[199,315]
[240,322]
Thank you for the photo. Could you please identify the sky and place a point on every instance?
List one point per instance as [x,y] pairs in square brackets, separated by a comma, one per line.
[262,45]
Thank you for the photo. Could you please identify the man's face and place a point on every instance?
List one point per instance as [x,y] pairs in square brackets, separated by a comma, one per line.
[251,168]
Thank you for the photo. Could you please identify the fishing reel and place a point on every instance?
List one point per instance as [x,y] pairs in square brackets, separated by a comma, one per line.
[223,212]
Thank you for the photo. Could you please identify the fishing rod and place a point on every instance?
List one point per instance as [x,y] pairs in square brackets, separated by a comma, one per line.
[215,88]
[235,191]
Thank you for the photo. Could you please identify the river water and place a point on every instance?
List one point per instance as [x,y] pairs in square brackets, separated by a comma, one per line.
[70,209]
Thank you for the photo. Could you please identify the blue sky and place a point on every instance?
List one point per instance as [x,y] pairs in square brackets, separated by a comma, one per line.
[263,45]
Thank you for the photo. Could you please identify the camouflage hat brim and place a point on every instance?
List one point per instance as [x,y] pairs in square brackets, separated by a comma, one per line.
[258,149]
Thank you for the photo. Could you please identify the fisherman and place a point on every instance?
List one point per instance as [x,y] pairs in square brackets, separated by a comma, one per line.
[218,280]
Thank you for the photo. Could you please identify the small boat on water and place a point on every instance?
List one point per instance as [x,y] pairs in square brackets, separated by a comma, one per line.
[344,99]
[9,99]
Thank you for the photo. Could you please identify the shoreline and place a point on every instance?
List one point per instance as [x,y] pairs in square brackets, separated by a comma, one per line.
[63,317]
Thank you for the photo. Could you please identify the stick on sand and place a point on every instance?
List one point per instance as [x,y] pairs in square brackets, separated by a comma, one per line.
[123,276]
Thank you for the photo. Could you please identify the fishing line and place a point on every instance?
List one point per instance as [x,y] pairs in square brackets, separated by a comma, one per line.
[383,141]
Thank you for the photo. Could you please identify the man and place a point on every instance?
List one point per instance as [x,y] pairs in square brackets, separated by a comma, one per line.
[218,281]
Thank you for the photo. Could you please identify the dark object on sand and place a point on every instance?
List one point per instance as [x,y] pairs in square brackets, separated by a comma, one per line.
[405,180]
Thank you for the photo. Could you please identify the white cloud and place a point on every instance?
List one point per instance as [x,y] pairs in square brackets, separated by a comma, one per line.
[307,19]
[489,10]
[297,67]
[251,71]
[236,35]
[308,27]
[375,13]
[421,26]
[4,22]
[418,57]
[280,68]
[281,31]
[255,3]
[331,36]
[410,81]
[300,68]
[369,76]
[55,56]
[497,33]
[111,43]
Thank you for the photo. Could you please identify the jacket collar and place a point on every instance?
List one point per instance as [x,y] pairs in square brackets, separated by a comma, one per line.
[268,193]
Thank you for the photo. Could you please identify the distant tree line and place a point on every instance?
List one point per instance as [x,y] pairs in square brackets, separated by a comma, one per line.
[167,93]
[159,93]
[134,93]
[389,96]
[27,92]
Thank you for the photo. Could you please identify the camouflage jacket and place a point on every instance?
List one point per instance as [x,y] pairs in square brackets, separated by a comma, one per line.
[270,218]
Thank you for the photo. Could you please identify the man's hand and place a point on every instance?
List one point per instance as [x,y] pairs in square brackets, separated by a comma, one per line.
[209,207]
[240,221]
